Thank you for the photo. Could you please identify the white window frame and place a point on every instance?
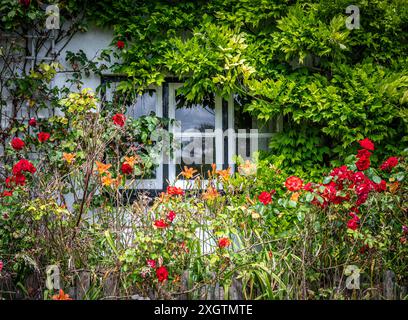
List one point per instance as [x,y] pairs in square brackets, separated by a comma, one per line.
[219,149]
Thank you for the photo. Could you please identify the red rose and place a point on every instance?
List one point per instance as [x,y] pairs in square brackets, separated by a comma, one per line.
[388,164]
[174,191]
[32,122]
[342,173]
[119,119]
[353,222]
[7,193]
[382,186]
[367,144]
[25,3]
[162,273]
[363,163]
[120,44]
[293,183]
[23,165]
[151,263]
[364,249]
[363,153]
[126,169]
[308,187]
[171,215]
[17,144]
[358,177]
[224,242]
[265,197]
[43,136]
[20,179]
[161,224]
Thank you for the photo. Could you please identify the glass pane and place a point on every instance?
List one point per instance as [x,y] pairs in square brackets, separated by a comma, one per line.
[197,153]
[195,116]
[144,105]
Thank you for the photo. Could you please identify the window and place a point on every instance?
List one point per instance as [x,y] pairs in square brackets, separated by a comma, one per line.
[144,104]
[198,135]
[213,131]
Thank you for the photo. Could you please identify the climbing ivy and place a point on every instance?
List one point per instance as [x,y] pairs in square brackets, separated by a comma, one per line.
[297,58]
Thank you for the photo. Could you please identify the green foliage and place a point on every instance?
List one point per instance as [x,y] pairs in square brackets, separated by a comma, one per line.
[333,85]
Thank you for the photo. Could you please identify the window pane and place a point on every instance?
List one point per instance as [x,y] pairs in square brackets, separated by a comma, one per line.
[197,153]
[144,105]
[196,116]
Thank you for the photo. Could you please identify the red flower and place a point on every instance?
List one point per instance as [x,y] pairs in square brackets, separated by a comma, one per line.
[32,122]
[358,177]
[224,242]
[174,191]
[265,197]
[367,144]
[363,153]
[363,163]
[161,224]
[353,222]
[162,273]
[382,186]
[119,119]
[342,173]
[364,249]
[1,265]
[25,3]
[171,215]
[17,143]
[293,183]
[20,179]
[120,44]
[388,164]
[151,263]
[7,193]
[43,136]
[308,187]
[126,168]
[23,165]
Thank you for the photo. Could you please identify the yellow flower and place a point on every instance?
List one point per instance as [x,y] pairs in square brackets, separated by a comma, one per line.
[188,173]
[69,157]
[210,194]
[101,167]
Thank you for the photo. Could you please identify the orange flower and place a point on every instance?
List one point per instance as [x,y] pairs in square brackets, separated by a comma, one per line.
[69,157]
[224,174]
[107,180]
[295,196]
[116,182]
[164,197]
[393,187]
[101,167]
[210,194]
[131,161]
[188,173]
[61,296]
